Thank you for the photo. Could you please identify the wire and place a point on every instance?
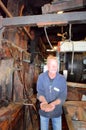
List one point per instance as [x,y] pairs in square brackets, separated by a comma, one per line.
[47,37]
[70,26]
[72,60]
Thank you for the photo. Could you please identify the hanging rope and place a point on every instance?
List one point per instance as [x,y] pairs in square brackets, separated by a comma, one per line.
[47,37]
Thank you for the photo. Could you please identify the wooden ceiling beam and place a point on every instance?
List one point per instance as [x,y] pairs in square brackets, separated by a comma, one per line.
[46,19]
[63,6]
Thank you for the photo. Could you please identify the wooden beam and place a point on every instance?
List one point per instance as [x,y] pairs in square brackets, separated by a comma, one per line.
[46,19]
[63,6]
[76,85]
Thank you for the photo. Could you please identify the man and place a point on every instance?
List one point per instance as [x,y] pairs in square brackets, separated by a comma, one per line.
[51,92]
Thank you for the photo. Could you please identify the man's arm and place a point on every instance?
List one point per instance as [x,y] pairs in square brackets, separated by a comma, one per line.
[42,99]
[56,102]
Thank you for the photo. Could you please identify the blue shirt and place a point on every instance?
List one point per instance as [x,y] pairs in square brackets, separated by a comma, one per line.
[52,90]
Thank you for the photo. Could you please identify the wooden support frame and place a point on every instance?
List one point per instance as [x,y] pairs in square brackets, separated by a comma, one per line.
[10,15]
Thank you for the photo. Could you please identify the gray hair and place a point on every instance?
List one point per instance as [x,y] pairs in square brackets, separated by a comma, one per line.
[51,57]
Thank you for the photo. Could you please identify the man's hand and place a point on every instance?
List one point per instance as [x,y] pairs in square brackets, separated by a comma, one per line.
[47,107]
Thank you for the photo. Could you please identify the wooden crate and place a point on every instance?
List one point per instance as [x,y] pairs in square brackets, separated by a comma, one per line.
[75,91]
[75,113]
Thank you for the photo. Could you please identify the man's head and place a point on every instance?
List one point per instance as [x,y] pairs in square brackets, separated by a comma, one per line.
[52,64]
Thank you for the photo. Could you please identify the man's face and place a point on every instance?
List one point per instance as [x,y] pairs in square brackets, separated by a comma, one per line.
[52,66]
